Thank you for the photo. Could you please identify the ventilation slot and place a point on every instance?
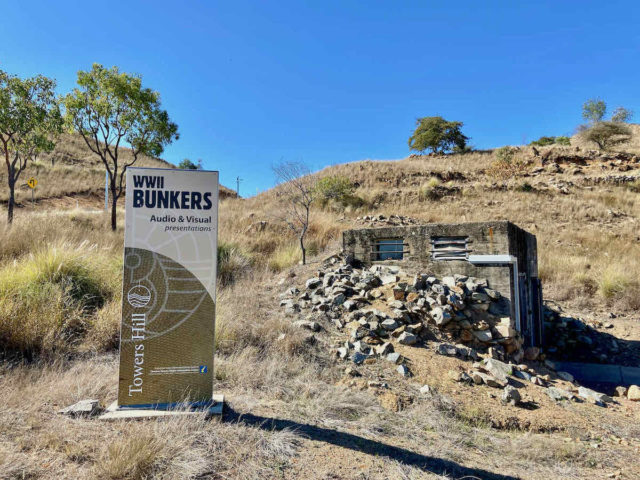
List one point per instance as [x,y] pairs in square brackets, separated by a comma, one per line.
[450,248]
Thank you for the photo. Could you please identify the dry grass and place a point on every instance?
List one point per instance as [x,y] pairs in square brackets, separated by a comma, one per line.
[70,168]
[509,162]
[50,446]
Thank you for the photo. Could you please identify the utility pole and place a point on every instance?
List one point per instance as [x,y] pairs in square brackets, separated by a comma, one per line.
[238,180]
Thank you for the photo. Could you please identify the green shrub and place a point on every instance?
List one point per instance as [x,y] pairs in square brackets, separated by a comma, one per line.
[334,187]
[461,150]
[525,187]
[607,134]
[187,164]
[543,141]
[437,134]
[546,141]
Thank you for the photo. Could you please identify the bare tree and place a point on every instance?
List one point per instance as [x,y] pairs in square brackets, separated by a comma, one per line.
[296,193]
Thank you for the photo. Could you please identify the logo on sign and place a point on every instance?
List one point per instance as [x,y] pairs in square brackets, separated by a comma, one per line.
[139,296]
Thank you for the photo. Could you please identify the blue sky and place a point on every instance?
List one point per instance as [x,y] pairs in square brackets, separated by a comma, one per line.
[251,84]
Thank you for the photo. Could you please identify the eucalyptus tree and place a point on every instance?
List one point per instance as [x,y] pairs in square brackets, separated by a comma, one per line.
[111,110]
[593,110]
[30,122]
[438,135]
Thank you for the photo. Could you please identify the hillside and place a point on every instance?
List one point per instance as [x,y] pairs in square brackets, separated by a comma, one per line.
[72,170]
[296,409]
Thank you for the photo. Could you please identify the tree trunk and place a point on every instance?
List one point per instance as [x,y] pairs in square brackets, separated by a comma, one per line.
[304,251]
[12,196]
[114,202]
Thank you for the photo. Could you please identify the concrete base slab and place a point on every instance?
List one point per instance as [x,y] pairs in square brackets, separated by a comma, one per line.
[596,373]
[116,413]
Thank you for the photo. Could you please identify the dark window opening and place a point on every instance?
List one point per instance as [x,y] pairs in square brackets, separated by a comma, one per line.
[388,249]
[450,248]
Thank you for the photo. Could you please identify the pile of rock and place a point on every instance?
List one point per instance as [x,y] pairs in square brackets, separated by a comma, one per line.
[612,179]
[497,374]
[384,221]
[460,316]
[572,338]
[380,304]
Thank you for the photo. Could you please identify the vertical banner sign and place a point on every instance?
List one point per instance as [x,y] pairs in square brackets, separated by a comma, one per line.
[169,287]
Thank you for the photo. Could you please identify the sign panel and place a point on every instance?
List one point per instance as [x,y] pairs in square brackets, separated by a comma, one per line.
[169,287]
[32,182]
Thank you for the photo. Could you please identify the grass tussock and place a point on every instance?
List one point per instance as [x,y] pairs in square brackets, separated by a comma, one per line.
[233,263]
[132,457]
[429,191]
[284,257]
[49,299]
[634,186]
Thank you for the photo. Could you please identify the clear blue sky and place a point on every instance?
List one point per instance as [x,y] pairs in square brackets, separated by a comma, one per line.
[325,82]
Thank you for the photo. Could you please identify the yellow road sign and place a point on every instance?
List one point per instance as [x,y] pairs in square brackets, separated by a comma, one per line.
[32,182]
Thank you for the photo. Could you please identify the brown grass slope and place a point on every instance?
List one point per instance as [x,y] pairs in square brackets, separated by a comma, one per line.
[582,207]
[71,169]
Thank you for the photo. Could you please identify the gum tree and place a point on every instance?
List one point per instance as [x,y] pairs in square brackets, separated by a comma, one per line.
[438,135]
[622,115]
[110,109]
[593,110]
[30,121]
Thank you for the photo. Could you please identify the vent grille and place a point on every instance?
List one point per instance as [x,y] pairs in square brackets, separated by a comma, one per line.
[450,248]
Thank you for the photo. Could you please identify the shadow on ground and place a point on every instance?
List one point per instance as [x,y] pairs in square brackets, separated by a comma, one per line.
[357,443]
[571,339]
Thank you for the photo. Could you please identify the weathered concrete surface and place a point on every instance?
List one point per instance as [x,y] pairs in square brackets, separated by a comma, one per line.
[115,413]
[594,373]
[485,238]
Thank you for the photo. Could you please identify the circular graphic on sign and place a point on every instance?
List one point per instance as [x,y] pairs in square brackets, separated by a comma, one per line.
[139,296]
[132,260]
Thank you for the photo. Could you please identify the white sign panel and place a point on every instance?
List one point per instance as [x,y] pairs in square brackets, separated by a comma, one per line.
[169,287]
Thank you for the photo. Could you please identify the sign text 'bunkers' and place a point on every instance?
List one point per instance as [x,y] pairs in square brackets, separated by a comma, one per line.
[149,192]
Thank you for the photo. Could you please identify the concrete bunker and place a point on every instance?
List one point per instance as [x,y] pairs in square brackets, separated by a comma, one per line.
[501,252]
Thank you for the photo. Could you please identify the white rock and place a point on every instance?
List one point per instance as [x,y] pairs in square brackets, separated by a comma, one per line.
[407,338]
[83,407]
[389,324]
